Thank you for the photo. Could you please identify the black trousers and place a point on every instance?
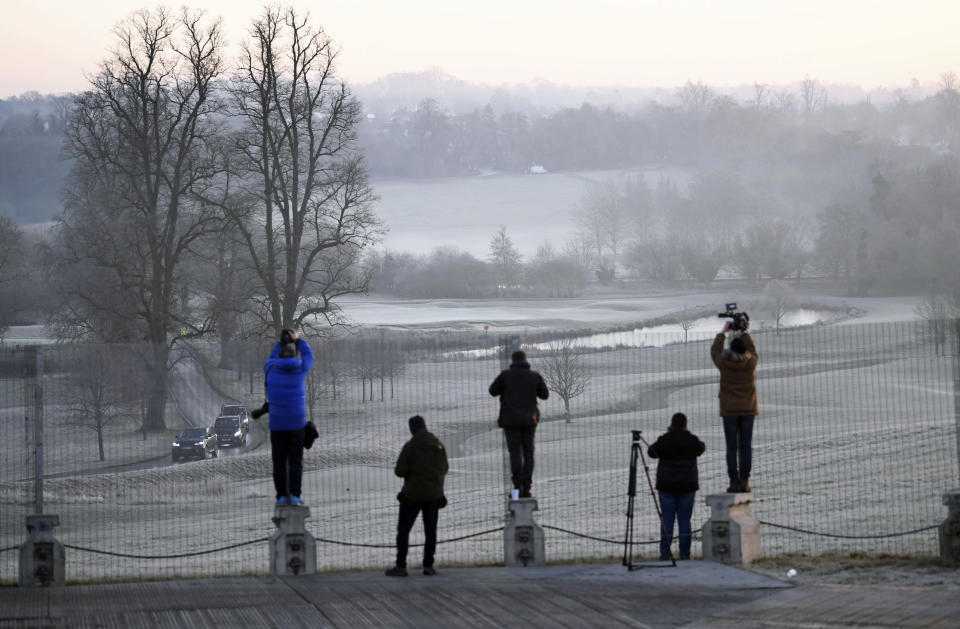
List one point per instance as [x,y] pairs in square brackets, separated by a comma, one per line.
[286,446]
[520,447]
[408,515]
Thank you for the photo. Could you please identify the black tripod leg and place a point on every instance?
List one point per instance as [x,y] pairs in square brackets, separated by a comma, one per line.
[631,493]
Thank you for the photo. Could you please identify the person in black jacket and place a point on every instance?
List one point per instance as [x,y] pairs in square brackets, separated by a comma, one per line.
[422,465]
[518,388]
[677,481]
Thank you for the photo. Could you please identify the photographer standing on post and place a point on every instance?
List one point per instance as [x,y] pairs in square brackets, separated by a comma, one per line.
[285,373]
[518,388]
[738,400]
[677,481]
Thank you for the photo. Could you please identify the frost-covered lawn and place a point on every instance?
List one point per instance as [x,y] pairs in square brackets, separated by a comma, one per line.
[856,436]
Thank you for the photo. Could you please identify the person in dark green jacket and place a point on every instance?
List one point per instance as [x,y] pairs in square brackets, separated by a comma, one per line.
[422,465]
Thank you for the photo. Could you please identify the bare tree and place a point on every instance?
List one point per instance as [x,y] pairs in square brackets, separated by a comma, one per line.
[761,94]
[696,98]
[140,138]
[939,313]
[564,372]
[305,213]
[813,94]
[686,325]
[96,397]
[780,298]
[11,270]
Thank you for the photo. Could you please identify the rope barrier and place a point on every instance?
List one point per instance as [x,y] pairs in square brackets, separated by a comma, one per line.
[178,556]
[442,541]
[255,541]
[837,535]
[468,536]
[596,539]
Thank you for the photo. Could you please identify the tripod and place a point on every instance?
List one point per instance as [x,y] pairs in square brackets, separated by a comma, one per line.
[636,452]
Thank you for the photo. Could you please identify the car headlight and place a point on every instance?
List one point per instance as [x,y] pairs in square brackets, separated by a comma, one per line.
[199,443]
[175,444]
[237,434]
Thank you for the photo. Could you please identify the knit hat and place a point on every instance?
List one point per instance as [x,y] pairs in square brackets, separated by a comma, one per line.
[737,345]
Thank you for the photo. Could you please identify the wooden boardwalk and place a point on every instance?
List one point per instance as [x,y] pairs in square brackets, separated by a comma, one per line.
[695,594]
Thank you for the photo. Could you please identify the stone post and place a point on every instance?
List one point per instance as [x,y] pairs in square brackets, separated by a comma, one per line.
[523,541]
[950,530]
[293,550]
[732,534]
[42,558]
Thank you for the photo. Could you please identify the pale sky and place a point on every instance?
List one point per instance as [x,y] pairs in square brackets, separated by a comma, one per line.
[48,45]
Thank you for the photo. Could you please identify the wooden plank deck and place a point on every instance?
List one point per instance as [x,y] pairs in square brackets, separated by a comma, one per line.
[695,594]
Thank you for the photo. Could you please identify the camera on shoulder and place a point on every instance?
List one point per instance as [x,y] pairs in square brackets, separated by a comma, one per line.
[740,321]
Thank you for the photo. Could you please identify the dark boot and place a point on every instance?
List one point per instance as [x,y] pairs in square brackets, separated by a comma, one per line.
[735,486]
[397,571]
[745,486]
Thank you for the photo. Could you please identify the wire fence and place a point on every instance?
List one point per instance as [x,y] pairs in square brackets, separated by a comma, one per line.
[856,441]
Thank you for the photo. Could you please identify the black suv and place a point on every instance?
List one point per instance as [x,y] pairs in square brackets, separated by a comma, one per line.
[194,443]
[230,431]
[236,410]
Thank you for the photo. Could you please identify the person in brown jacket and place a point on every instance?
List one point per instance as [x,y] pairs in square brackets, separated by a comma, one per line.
[738,403]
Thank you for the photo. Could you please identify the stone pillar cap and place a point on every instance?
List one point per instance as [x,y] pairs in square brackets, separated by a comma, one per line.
[523,505]
[42,521]
[730,499]
[952,497]
[295,514]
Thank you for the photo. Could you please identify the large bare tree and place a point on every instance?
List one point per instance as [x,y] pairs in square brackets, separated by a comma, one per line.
[305,210]
[141,139]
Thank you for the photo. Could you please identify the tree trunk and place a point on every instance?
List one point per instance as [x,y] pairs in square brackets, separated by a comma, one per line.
[157,394]
[100,440]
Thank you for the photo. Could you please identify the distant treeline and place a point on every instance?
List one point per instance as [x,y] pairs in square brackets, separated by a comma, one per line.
[31,169]
[795,144]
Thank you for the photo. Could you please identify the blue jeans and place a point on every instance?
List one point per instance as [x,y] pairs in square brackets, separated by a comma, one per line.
[738,432]
[677,507]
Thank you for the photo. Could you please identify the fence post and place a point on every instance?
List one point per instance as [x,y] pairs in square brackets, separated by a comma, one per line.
[38,428]
[955,363]
[42,557]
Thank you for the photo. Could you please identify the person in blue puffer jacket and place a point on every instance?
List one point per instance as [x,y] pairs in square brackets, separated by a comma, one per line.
[285,373]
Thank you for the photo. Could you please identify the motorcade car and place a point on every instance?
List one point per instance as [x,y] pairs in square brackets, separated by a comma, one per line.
[230,431]
[236,410]
[194,443]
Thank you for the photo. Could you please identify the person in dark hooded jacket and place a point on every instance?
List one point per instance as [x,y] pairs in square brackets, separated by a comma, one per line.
[677,481]
[285,373]
[738,403]
[422,465]
[518,388]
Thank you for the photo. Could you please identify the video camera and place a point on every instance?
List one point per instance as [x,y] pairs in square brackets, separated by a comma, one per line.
[741,320]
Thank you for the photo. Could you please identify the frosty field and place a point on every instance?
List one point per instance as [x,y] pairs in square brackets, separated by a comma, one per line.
[857,436]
